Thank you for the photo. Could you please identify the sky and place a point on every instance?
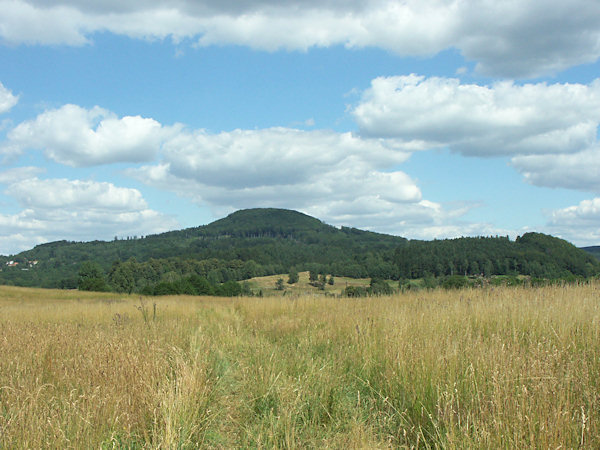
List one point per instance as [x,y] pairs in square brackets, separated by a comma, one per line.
[420,118]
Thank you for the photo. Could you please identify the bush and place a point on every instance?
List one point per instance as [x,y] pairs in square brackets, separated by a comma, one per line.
[455,282]
[354,291]
[380,287]
[229,289]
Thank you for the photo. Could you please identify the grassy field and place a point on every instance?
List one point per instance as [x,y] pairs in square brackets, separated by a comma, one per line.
[493,368]
[266,285]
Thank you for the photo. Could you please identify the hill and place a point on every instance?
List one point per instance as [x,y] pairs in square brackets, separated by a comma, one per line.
[245,244]
[267,241]
[533,254]
[594,251]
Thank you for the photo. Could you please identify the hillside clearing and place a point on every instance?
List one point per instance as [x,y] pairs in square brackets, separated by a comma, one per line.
[266,285]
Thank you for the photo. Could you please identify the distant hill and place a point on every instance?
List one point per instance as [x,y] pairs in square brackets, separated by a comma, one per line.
[267,241]
[595,250]
[534,254]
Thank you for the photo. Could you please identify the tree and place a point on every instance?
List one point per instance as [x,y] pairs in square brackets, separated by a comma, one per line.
[121,276]
[91,277]
[250,269]
[201,285]
[279,284]
[318,282]
[331,281]
[488,268]
[293,277]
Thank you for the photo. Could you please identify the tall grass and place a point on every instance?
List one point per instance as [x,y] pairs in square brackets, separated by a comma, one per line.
[495,368]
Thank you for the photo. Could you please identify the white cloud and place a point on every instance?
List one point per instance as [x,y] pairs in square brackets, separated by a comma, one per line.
[550,131]
[339,178]
[78,137]
[7,99]
[516,39]
[55,209]
[579,224]
[502,119]
[588,211]
[22,22]
[75,195]
[276,156]
[580,171]
[11,244]
[457,229]
[16,174]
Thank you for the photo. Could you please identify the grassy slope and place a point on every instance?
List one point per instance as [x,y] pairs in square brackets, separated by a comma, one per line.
[497,368]
[302,287]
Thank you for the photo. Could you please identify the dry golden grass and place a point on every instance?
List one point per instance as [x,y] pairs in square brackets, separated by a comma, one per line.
[266,284]
[494,368]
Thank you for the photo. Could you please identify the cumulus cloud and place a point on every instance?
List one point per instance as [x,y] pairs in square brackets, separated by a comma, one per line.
[75,195]
[580,171]
[516,39]
[54,209]
[341,178]
[16,174]
[548,130]
[501,119]
[275,156]
[588,211]
[79,137]
[577,223]
[529,38]
[7,99]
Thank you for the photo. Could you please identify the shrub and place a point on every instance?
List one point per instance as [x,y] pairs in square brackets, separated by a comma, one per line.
[455,282]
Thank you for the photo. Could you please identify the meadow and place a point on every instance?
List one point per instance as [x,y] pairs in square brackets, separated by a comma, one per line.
[266,285]
[474,368]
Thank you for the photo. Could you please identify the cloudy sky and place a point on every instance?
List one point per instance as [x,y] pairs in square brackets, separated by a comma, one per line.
[422,118]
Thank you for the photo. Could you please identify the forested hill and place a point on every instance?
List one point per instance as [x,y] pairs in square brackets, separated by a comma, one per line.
[268,241]
[534,254]
[595,250]
[246,243]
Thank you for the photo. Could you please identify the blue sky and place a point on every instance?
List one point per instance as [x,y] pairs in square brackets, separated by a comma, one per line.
[426,119]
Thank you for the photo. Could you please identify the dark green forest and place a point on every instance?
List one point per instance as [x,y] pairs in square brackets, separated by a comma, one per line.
[534,254]
[212,259]
[595,251]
